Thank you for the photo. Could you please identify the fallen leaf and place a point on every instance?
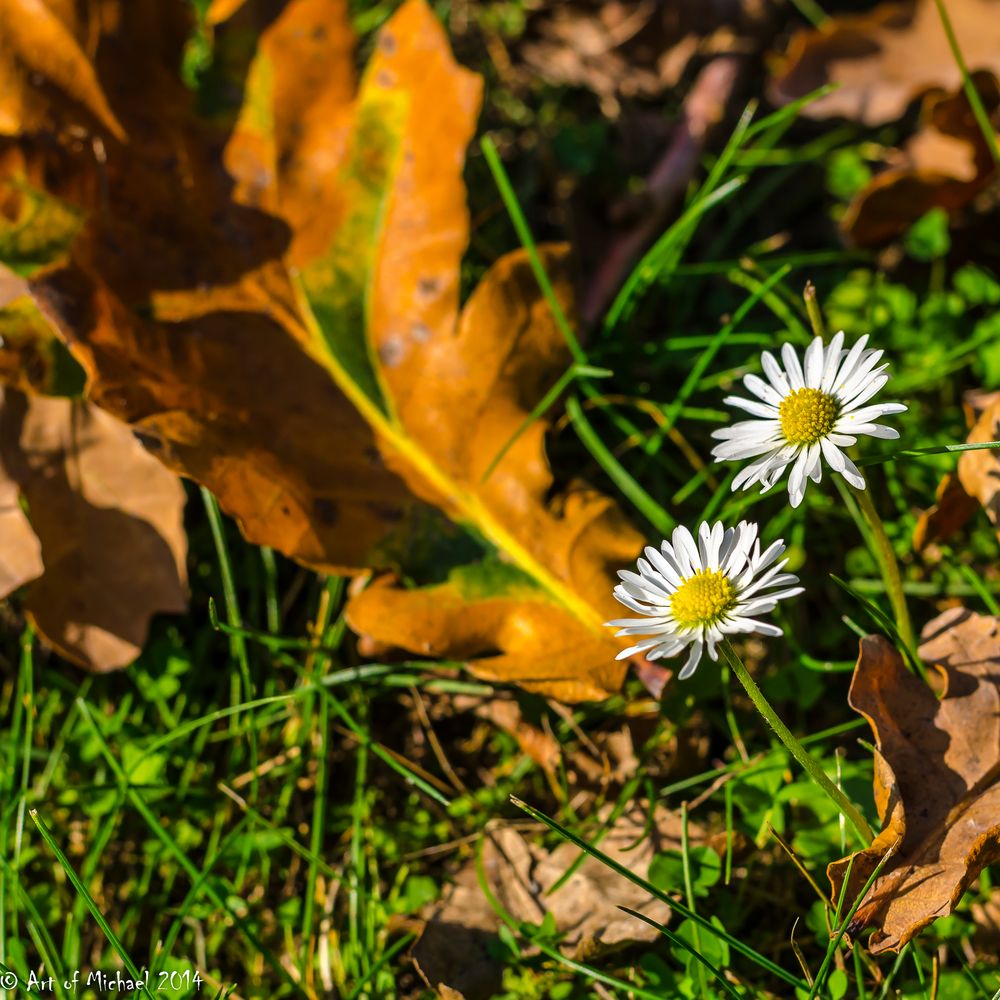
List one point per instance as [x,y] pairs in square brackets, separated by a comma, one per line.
[886,58]
[520,874]
[109,520]
[975,483]
[944,165]
[936,776]
[280,321]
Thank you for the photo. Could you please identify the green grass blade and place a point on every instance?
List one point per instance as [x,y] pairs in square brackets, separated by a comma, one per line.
[640,499]
[95,910]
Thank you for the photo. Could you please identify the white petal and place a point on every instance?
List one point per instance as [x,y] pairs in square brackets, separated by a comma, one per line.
[752,625]
[850,363]
[624,597]
[762,390]
[665,565]
[876,385]
[686,551]
[877,431]
[646,629]
[832,361]
[835,458]
[639,647]
[875,411]
[797,479]
[814,359]
[792,367]
[841,440]
[851,473]
[754,406]
[642,584]
[774,374]
[651,623]
[692,661]
[730,451]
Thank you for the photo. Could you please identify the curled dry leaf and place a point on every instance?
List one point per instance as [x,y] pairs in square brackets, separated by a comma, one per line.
[976,482]
[279,320]
[104,518]
[884,59]
[937,776]
[944,165]
[454,950]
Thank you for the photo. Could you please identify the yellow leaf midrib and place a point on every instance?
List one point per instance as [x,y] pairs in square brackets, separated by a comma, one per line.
[467,504]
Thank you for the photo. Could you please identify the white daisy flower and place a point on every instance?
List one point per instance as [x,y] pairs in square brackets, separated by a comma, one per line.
[807,413]
[695,594]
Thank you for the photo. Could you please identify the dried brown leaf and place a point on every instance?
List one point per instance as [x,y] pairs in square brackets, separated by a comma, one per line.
[585,909]
[884,59]
[109,519]
[937,776]
[944,165]
[976,483]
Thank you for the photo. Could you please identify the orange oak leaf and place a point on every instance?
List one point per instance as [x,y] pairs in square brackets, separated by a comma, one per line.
[271,299]
[109,546]
[937,776]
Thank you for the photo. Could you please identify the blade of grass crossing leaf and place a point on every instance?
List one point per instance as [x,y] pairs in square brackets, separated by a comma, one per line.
[541,407]
[679,942]
[975,101]
[639,498]
[882,620]
[95,911]
[626,989]
[510,201]
[734,943]
[781,309]
[845,923]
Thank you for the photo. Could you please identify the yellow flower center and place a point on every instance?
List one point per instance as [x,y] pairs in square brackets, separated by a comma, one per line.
[807,415]
[702,599]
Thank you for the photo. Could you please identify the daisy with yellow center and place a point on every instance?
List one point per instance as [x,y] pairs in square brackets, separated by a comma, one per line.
[805,414]
[694,593]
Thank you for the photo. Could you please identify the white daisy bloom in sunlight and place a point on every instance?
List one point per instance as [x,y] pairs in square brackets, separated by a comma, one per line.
[694,594]
[805,414]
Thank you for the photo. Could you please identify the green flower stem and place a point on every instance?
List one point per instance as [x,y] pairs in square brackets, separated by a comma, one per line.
[795,748]
[890,568]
